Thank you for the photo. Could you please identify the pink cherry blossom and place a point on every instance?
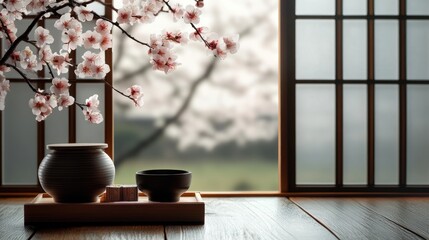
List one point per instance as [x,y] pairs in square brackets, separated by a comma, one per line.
[199,3]
[84,69]
[106,42]
[101,70]
[177,37]
[177,11]
[64,23]
[41,106]
[60,86]
[45,54]
[61,62]
[192,15]
[91,57]
[195,36]
[42,36]
[93,116]
[91,39]
[65,100]
[83,13]
[71,39]
[4,88]
[135,92]
[231,43]
[36,6]
[103,27]
[92,102]
[220,50]
[124,15]
[3,69]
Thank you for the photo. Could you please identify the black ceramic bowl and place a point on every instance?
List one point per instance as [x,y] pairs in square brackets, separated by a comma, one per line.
[163,185]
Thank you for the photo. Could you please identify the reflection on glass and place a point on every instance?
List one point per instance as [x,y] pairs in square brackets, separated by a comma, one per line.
[417,134]
[386,7]
[315,7]
[355,49]
[355,7]
[315,49]
[386,49]
[315,134]
[355,134]
[417,49]
[87,132]
[227,134]
[386,134]
[20,133]
[418,7]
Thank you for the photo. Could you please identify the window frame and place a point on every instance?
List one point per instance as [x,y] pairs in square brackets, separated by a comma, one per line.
[286,127]
[287,98]
[74,80]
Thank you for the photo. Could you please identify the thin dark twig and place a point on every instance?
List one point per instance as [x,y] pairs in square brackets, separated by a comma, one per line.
[50,69]
[27,80]
[120,92]
[24,35]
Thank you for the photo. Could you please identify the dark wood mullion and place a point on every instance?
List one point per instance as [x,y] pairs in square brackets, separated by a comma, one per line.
[372,17]
[287,151]
[108,92]
[72,108]
[40,125]
[339,96]
[371,112]
[402,95]
[378,81]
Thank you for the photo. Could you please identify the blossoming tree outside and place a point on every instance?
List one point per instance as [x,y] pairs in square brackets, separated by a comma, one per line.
[160,47]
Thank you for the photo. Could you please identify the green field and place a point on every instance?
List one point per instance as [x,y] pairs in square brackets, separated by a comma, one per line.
[211,175]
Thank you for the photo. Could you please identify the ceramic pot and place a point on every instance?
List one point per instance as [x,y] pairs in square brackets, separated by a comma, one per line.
[76,172]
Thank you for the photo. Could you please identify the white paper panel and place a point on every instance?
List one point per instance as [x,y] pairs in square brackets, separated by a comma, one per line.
[417,49]
[355,129]
[315,7]
[386,49]
[315,134]
[417,7]
[386,7]
[386,134]
[315,49]
[355,7]
[20,138]
[355,49]
[87,132]
[417,134]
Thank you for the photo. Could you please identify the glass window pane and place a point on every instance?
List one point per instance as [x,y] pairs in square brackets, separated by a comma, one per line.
[315,7]
[57,126]
[386,134]
[417,134]
[418,7]
[386,7]
[20,132]
[227,136]
[417,49]
[355,118]
[315,134]
[87,132]
[386,49]
[355,49]
[355,7]
[56,46]
[315,49]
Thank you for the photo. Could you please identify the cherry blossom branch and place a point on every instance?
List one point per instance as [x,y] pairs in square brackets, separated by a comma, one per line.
[50,69]
[120,92]
[193,26]
[5,30]
[25,34]
[116,24]
[27,80]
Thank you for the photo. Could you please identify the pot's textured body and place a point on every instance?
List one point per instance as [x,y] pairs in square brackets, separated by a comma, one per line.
[76,172]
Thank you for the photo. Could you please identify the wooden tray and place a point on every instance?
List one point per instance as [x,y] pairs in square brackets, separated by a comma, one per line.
[44,211]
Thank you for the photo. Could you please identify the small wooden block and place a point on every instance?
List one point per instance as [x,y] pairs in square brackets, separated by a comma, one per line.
[129,193]
[113,193]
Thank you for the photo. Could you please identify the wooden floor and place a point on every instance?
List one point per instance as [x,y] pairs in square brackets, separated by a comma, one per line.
[256,218]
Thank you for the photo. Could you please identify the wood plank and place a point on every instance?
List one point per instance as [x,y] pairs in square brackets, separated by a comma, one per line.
[101,232]
[410,213]
[251,218]
[12,221]
[348,219]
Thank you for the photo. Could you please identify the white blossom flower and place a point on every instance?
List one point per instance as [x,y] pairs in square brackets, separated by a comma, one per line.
[60,86]
[192,15]
[231,43]
[42,36]
[92,102]
[93,116]
[91,39]
[103,27]
[65,100]
[83,13]
[136,93]
[71,39]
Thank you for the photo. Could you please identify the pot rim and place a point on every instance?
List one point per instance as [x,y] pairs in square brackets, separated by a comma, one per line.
[76,146]
[163,172]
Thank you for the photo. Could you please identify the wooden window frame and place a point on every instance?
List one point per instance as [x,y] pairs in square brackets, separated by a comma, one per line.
[286,141]
[74,80]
